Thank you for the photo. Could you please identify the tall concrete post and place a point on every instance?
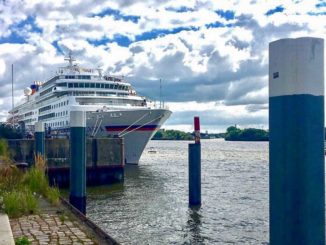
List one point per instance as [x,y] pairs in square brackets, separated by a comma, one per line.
[194,159]
[296,124]
[78,160]
[39,138]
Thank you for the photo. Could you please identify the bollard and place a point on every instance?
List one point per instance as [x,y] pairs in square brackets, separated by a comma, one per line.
[194,158]
[296,124]
[39,138]
[77,196]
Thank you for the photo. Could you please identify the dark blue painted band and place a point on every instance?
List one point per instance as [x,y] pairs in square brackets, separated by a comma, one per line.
[194,174]
[297,192]
[79,203]
[78,162]
[39,143]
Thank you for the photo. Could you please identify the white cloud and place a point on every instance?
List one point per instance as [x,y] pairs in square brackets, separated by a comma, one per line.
[211,65]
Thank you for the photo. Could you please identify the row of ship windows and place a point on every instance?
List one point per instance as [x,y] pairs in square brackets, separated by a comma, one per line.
[78,77]
[51,115]
[63,103]
[95,85]
[56,124]
[49,107]
[107,78]
[60,114]
[30,120]
[29,113]
[84,93]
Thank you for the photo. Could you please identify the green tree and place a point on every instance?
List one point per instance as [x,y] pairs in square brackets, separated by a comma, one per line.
[249,134]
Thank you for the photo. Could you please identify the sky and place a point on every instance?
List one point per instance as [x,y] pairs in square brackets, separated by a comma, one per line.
[212,56]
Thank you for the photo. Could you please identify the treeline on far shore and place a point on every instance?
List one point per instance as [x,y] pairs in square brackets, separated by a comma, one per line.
[165,134]
[248,134]
[232,134]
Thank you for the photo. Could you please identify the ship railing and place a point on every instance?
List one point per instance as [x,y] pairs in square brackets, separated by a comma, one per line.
[158,105]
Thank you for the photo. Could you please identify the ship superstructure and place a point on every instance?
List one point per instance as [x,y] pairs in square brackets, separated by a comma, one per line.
[112,106]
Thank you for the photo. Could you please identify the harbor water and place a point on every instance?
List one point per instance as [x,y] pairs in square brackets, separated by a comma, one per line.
[151,206]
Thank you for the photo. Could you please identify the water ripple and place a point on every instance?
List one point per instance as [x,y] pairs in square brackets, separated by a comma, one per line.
[151,207]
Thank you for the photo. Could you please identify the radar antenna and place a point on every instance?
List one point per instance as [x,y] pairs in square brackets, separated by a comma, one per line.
[99,72]
[70,58]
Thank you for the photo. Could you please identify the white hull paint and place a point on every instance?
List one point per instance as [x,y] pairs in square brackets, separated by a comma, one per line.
[136,127]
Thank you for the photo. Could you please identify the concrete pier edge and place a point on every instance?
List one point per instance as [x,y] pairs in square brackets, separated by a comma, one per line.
[6,236]
[95,228]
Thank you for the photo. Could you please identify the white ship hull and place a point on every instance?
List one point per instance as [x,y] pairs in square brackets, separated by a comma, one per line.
[136,127]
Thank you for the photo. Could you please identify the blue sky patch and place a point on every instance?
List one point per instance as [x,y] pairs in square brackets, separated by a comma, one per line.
[121,40]
[124,41]
[228,14]
[29,21]
[316,13]
[13,38]
[278,9]
[162,32]
[17,31]
[321,4]
[56,45]
[181,9]
[117,15]
[215,25]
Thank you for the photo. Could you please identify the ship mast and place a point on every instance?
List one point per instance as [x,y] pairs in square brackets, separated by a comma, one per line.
[70,59]
[160,93]
[12,86]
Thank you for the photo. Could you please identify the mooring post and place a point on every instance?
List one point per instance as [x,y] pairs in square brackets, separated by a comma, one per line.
[194,152]
[78,160]
[39,138]
[296,156]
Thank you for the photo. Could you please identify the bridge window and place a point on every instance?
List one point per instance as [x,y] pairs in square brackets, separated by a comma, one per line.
[69,77]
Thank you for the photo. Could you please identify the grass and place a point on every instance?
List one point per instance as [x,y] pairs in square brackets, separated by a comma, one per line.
[4,149]
[22,241]
[19,202]
[19,190]
[62,218]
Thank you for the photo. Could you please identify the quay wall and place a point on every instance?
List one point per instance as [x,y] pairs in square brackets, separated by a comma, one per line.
[104,159]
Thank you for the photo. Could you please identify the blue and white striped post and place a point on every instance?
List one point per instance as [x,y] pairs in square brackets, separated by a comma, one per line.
[39,138]
[77,196]
[296,123]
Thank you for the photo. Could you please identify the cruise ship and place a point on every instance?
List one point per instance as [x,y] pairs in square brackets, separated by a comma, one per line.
[112,107]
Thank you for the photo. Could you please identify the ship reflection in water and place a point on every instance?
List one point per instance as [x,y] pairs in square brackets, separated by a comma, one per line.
[151,207]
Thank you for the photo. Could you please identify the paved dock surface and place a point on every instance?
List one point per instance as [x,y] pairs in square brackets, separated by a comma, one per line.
[49,229]
[52,225]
